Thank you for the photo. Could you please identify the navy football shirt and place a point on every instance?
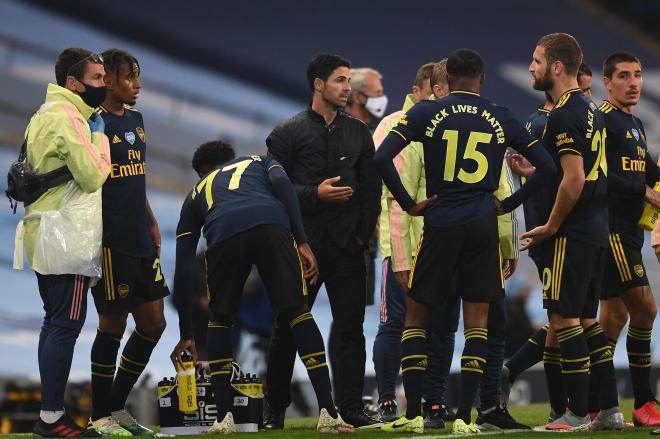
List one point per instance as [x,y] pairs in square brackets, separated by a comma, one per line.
[535,125]
[630,168]
[234,198]
[464,136]
[126,226]
[575,126]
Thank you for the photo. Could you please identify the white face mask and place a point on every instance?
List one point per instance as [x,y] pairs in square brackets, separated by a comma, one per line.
[376,105]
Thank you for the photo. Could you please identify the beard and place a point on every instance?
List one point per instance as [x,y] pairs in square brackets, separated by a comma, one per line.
[544,83]
[335,102]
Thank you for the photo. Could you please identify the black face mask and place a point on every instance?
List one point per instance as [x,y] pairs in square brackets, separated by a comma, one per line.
[93,96]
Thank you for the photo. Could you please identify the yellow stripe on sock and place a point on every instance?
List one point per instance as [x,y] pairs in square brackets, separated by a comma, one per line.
[563,336]
[104,375]
[469,330]
[129,370]
[145,337]
[483,337]
[104,365]
[304,357]
[410,330]
[300,318]
[470,369]
[601,361]
[423,369]
[593,334]
[574,360]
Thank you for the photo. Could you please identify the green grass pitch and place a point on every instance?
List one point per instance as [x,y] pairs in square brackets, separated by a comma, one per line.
[533,414]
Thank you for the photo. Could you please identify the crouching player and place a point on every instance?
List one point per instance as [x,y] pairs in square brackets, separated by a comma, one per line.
[248,211]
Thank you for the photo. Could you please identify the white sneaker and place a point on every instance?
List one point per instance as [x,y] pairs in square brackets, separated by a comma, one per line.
[328,424]
[225,427]
[568,422]
[108,427]
[610,419]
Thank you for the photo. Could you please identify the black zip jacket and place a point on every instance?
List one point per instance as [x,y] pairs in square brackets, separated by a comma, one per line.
[311,152]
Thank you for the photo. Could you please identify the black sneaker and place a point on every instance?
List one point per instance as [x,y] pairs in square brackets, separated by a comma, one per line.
[387,411]
[521,426]
[273,419]
[359,418]
[447,414]
[63,427]
[434,417]
[496,418]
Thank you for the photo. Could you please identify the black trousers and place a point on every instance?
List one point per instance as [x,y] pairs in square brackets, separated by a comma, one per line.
[343,272]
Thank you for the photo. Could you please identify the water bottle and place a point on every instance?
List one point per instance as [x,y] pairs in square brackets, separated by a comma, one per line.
[186,384]
[164,386]
[650,214]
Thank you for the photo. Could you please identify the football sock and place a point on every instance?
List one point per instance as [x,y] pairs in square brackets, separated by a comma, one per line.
[552,368]
[529,354]
[220,363]
[601,366]
[104,362]
[309,344]
[575,367]
[638,345]
[413,368]
[473,362]
[133,360]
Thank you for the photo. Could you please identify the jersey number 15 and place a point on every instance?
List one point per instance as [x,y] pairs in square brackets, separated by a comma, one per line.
[471,153]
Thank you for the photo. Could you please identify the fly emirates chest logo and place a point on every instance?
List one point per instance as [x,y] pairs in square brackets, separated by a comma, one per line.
[134,165]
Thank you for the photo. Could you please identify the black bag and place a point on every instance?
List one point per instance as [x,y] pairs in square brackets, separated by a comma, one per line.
[26,186]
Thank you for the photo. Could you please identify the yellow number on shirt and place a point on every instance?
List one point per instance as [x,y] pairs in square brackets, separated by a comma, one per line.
[471,153]
[208,184]
[239,167]
[598,144]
